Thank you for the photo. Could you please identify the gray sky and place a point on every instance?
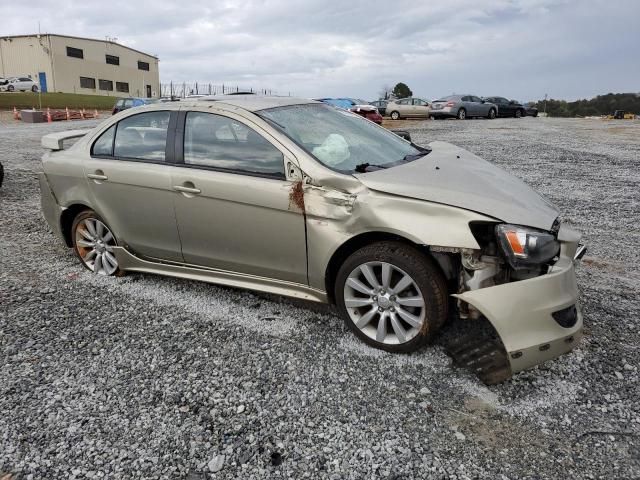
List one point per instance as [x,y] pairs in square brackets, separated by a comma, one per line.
[516,48]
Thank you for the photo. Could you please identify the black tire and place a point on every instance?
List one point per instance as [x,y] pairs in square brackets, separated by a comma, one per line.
[34,89]
[79,250]
[422,270]
[462,114]
[518,114]
[535,115]
[10,88]
[492,114]
[395,115]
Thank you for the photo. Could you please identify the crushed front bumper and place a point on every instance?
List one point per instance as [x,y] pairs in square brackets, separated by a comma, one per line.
[537,319]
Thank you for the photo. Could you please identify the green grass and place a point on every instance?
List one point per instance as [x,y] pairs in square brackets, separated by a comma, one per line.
[55,100]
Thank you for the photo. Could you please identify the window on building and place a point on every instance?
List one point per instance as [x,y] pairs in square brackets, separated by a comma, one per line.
[87,82]
[112,59]
[105,85]
[143,66]
[75,52]
[122,87]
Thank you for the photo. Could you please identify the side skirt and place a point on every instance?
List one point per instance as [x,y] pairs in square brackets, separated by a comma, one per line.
[129,262]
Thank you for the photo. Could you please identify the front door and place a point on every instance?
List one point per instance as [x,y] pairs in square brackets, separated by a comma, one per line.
[148,91]
[42,79]
[131,185]
[478,108]
[232,201]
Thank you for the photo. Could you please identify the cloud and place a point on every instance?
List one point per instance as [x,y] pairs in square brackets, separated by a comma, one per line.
[515,48]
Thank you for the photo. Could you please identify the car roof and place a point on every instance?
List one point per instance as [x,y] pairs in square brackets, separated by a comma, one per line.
[253,103]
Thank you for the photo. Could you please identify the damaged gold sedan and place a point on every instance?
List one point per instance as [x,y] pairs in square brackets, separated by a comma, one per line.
[293,197]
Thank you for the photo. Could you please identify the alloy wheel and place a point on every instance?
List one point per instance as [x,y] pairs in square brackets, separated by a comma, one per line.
[94,243]
[384,302]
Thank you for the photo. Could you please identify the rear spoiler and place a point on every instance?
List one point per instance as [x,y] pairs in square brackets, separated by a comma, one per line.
[54,141]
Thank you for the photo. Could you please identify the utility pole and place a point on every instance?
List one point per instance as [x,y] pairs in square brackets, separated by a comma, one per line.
[545,104]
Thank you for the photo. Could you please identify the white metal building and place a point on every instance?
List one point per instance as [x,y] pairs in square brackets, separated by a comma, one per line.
[60,63]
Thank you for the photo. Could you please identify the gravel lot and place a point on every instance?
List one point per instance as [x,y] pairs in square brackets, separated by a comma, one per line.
[150,377]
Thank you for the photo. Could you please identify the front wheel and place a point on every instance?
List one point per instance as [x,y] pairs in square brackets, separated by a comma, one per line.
[518,113]
[93,244]
[10,88]
[492,114]
[395,116]
[34,89]
[392,296]
[462,114]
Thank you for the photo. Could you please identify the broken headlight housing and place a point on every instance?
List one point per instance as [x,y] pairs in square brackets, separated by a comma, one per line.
[526,247]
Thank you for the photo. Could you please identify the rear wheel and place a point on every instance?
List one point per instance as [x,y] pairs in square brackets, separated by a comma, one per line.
[518,113]
[395,115]
[34,89]
[93,244]
[391,296]
[462,114]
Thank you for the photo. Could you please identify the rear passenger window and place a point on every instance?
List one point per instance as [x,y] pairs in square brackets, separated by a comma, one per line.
[142,136]
[222,143]
[104,145]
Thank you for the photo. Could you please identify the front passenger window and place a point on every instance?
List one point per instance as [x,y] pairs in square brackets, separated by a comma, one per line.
[219,142]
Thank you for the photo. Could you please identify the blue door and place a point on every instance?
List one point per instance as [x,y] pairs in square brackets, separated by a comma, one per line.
[42,78]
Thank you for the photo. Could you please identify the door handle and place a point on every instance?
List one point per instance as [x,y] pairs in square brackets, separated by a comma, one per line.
[97,176]
[192,190]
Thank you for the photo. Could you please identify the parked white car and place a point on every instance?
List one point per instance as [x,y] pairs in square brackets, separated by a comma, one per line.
[20,84]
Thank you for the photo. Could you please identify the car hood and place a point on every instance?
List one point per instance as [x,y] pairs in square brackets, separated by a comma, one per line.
[453,176]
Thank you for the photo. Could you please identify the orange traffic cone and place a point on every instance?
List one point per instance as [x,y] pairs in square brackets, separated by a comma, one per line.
[49,119]
[16,115]
[68,115]
[95,114]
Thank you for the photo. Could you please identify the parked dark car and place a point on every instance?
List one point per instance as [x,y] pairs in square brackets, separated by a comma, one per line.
[381,105]
[130,102]
[508,108]
[355,105]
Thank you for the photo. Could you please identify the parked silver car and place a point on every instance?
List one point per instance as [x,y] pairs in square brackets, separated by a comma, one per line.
[294,197]
[20,84]
[411,107]
[462,106]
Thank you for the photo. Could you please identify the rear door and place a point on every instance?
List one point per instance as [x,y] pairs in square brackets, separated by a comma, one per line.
[421,108]
[233,199]
[129,176]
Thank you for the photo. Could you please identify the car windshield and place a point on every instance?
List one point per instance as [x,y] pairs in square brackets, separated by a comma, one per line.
[341,140]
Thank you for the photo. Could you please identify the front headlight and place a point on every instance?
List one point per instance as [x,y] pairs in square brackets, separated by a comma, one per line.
[526,247]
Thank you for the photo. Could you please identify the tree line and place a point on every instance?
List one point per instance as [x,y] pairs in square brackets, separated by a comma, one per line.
[600,105]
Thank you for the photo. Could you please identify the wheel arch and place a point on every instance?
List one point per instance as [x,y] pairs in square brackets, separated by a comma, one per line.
[66,220]
[443,261]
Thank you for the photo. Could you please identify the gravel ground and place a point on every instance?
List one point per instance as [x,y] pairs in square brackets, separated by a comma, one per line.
[150,377]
